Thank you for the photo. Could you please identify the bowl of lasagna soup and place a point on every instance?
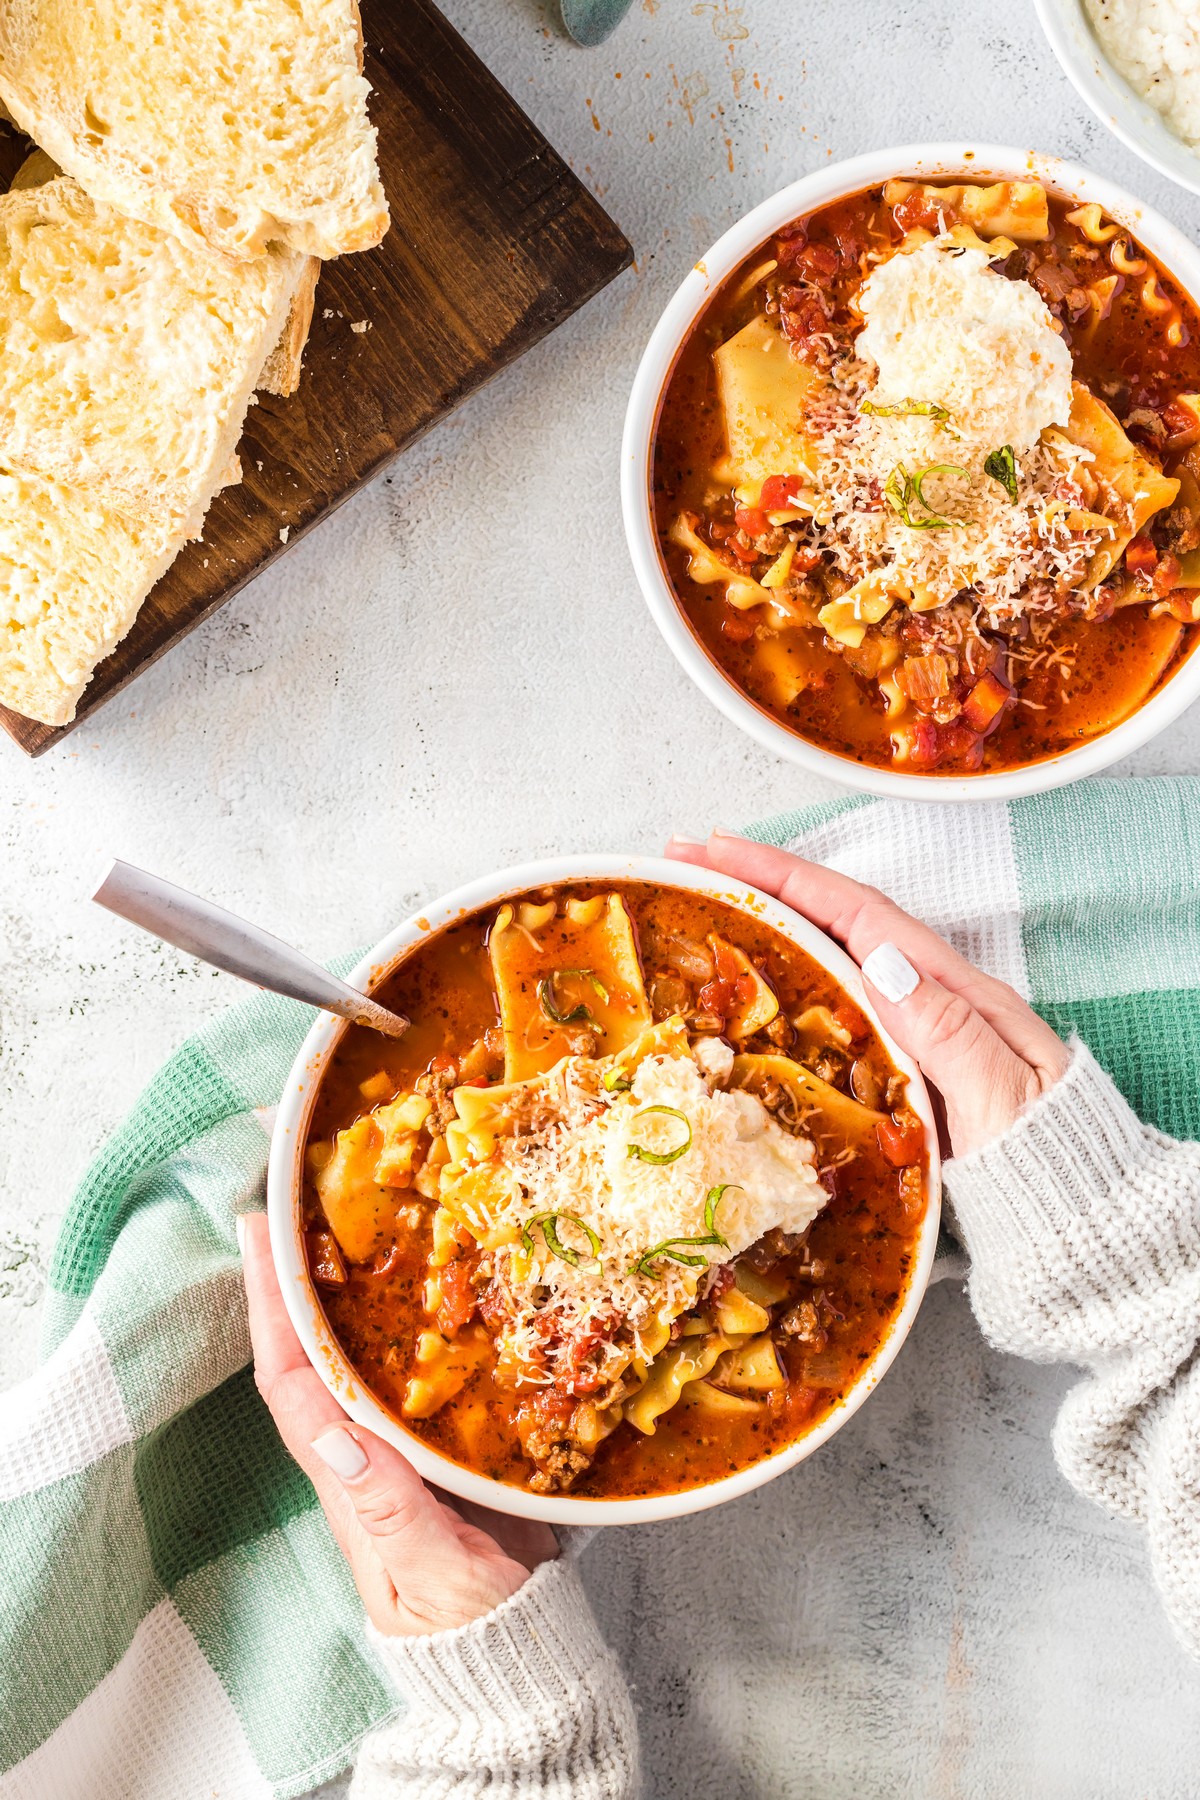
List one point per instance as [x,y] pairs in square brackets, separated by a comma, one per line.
[911,473]
[635,1214]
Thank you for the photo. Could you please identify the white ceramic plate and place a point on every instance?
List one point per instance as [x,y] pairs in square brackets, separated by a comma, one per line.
[926,162]
[1127,115]
[287,1150]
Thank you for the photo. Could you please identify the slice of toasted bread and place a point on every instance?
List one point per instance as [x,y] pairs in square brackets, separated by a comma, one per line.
[127,363]
[282,369]
[127,360]
[230,126]
[73,574]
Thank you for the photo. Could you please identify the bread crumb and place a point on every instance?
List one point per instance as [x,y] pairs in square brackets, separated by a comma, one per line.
[328,313]
[361,325]
[283,533]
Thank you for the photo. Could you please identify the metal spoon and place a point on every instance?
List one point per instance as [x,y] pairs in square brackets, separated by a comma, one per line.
[227,942]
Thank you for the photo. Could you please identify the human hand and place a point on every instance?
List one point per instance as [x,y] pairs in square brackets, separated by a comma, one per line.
[974,1038]
[421,1563]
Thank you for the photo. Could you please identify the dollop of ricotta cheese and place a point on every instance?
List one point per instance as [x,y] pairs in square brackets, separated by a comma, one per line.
[942,326]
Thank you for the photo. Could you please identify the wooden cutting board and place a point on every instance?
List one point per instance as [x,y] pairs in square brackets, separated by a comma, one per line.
[493,243]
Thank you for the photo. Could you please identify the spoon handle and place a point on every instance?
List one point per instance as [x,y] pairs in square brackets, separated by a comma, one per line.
[227,942]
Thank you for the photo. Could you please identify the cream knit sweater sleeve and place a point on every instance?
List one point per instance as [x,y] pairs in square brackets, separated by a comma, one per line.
[527,1702]
[1083,1227]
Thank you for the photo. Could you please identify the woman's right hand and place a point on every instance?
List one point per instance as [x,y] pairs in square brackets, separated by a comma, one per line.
[421,1563]
[976,1041]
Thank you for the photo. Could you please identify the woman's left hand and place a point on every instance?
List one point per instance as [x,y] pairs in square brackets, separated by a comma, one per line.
[977,1042]
[421,1563]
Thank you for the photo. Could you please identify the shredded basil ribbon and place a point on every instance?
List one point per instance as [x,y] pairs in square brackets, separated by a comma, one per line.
[901,489]
[666,1156]
[578,1014]
[902,409]
[1001,465]
[668,1248]
[554,1244]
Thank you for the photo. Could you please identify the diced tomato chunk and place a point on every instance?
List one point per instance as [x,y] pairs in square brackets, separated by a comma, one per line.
[985,702]
[917,210]
[818,261]
[901,1138]
[1182,423]
[751,520]
[789,243]
[847,1015]
[725,959]
[745,553]
[458,1297]
[737,627]
[1141,556]
[779,492]
[717,997]
[931,744]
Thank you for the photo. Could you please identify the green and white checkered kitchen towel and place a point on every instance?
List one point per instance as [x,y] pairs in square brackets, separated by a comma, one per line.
[175,1621]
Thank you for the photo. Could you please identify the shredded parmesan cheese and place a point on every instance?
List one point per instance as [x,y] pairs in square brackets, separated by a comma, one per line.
[978,353]
[577,1162]
[993,545]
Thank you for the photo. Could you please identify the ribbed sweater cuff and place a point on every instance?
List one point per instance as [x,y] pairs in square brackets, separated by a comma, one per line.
[1073,1147]
[528,1656]
[1077,1203]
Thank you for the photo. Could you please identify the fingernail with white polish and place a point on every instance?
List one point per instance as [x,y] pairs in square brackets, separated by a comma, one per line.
[679,837]
[341,1453]
[239,1226]
[890,971]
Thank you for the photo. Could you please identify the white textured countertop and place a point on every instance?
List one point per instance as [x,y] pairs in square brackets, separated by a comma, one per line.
[457,671]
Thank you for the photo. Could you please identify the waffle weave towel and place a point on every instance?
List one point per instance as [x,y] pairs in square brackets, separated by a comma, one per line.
[175,1621]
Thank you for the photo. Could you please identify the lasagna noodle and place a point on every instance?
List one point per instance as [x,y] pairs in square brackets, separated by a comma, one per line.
[585,958]
[1141,487]
[762,389]
[1015,209]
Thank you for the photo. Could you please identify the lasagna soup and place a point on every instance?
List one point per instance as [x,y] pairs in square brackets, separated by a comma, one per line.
[631,1204]
[926,476]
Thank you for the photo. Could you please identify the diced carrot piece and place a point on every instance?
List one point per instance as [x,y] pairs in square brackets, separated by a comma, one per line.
[985,702]
[901,1138]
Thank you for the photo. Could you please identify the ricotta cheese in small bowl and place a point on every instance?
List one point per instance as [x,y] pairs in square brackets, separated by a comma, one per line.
[1137,65]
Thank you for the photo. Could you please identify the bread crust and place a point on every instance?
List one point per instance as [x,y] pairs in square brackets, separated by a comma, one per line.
[282,369]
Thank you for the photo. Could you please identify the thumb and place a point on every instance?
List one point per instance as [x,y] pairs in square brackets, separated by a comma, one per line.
[418,1566]
[983,1083]
[391,1503]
